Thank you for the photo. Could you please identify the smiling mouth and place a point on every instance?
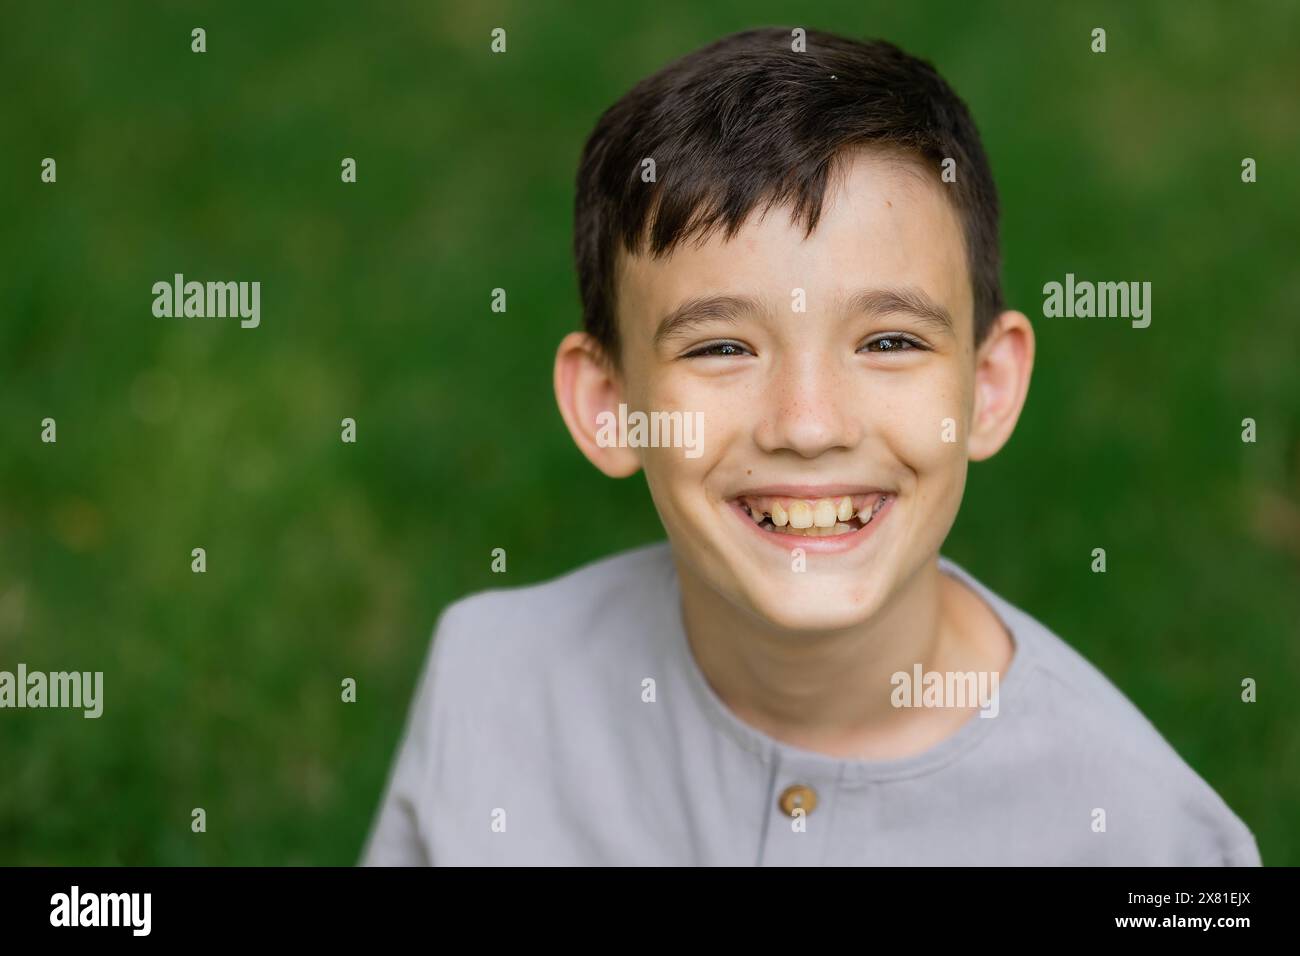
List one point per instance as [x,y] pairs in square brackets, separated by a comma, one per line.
[813,517]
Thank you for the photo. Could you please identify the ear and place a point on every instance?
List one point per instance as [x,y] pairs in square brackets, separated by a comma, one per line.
[588,391]
[1003,364]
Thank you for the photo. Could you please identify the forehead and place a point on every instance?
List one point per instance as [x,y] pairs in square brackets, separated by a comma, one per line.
[885,223]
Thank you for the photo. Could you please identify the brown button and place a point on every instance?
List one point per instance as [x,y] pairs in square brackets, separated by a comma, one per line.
[798,796]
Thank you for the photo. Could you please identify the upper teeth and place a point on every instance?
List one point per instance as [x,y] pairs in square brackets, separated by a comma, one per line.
[809,515]
[824,513]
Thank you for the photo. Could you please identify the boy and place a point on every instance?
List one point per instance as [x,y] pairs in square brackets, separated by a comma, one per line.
[796,248]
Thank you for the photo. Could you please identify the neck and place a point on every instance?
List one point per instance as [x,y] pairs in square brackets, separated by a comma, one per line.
[830,691]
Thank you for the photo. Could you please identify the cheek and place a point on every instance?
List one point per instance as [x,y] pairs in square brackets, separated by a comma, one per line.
[720,397]
[926,431]
[676,474]
[924,418]
[722,410]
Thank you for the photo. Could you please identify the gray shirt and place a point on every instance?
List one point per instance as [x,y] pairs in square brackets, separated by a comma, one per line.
[530,742]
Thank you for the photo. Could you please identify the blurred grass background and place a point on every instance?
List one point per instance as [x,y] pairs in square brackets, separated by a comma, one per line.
[328,560]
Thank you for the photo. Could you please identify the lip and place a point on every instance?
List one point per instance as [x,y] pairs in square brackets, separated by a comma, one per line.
[809,491]
[836,544]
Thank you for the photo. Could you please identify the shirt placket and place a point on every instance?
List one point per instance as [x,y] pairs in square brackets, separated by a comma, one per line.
[801,805]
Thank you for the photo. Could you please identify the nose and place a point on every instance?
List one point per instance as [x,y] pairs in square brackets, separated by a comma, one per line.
[808,408]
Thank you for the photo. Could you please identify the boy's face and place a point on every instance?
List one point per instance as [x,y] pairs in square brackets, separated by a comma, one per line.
[837,377]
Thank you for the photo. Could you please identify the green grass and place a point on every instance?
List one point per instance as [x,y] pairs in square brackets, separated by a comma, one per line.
[328,560]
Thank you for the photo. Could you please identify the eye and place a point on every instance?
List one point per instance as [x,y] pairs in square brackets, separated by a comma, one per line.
[894,342]
[717,348]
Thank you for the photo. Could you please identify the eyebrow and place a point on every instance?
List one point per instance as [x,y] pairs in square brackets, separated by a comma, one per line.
[711,308]
[907,300]
[728,308]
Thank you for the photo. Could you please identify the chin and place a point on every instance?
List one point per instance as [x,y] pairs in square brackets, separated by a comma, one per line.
[813,604]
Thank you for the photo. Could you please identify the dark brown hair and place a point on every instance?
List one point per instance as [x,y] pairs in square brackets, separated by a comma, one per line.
[747,120]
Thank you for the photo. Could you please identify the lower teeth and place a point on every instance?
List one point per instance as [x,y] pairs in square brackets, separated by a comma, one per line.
[814,532]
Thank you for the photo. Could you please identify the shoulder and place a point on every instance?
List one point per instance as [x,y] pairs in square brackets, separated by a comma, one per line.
[508,673]
[561,610]
[1106,749]
[509,642]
